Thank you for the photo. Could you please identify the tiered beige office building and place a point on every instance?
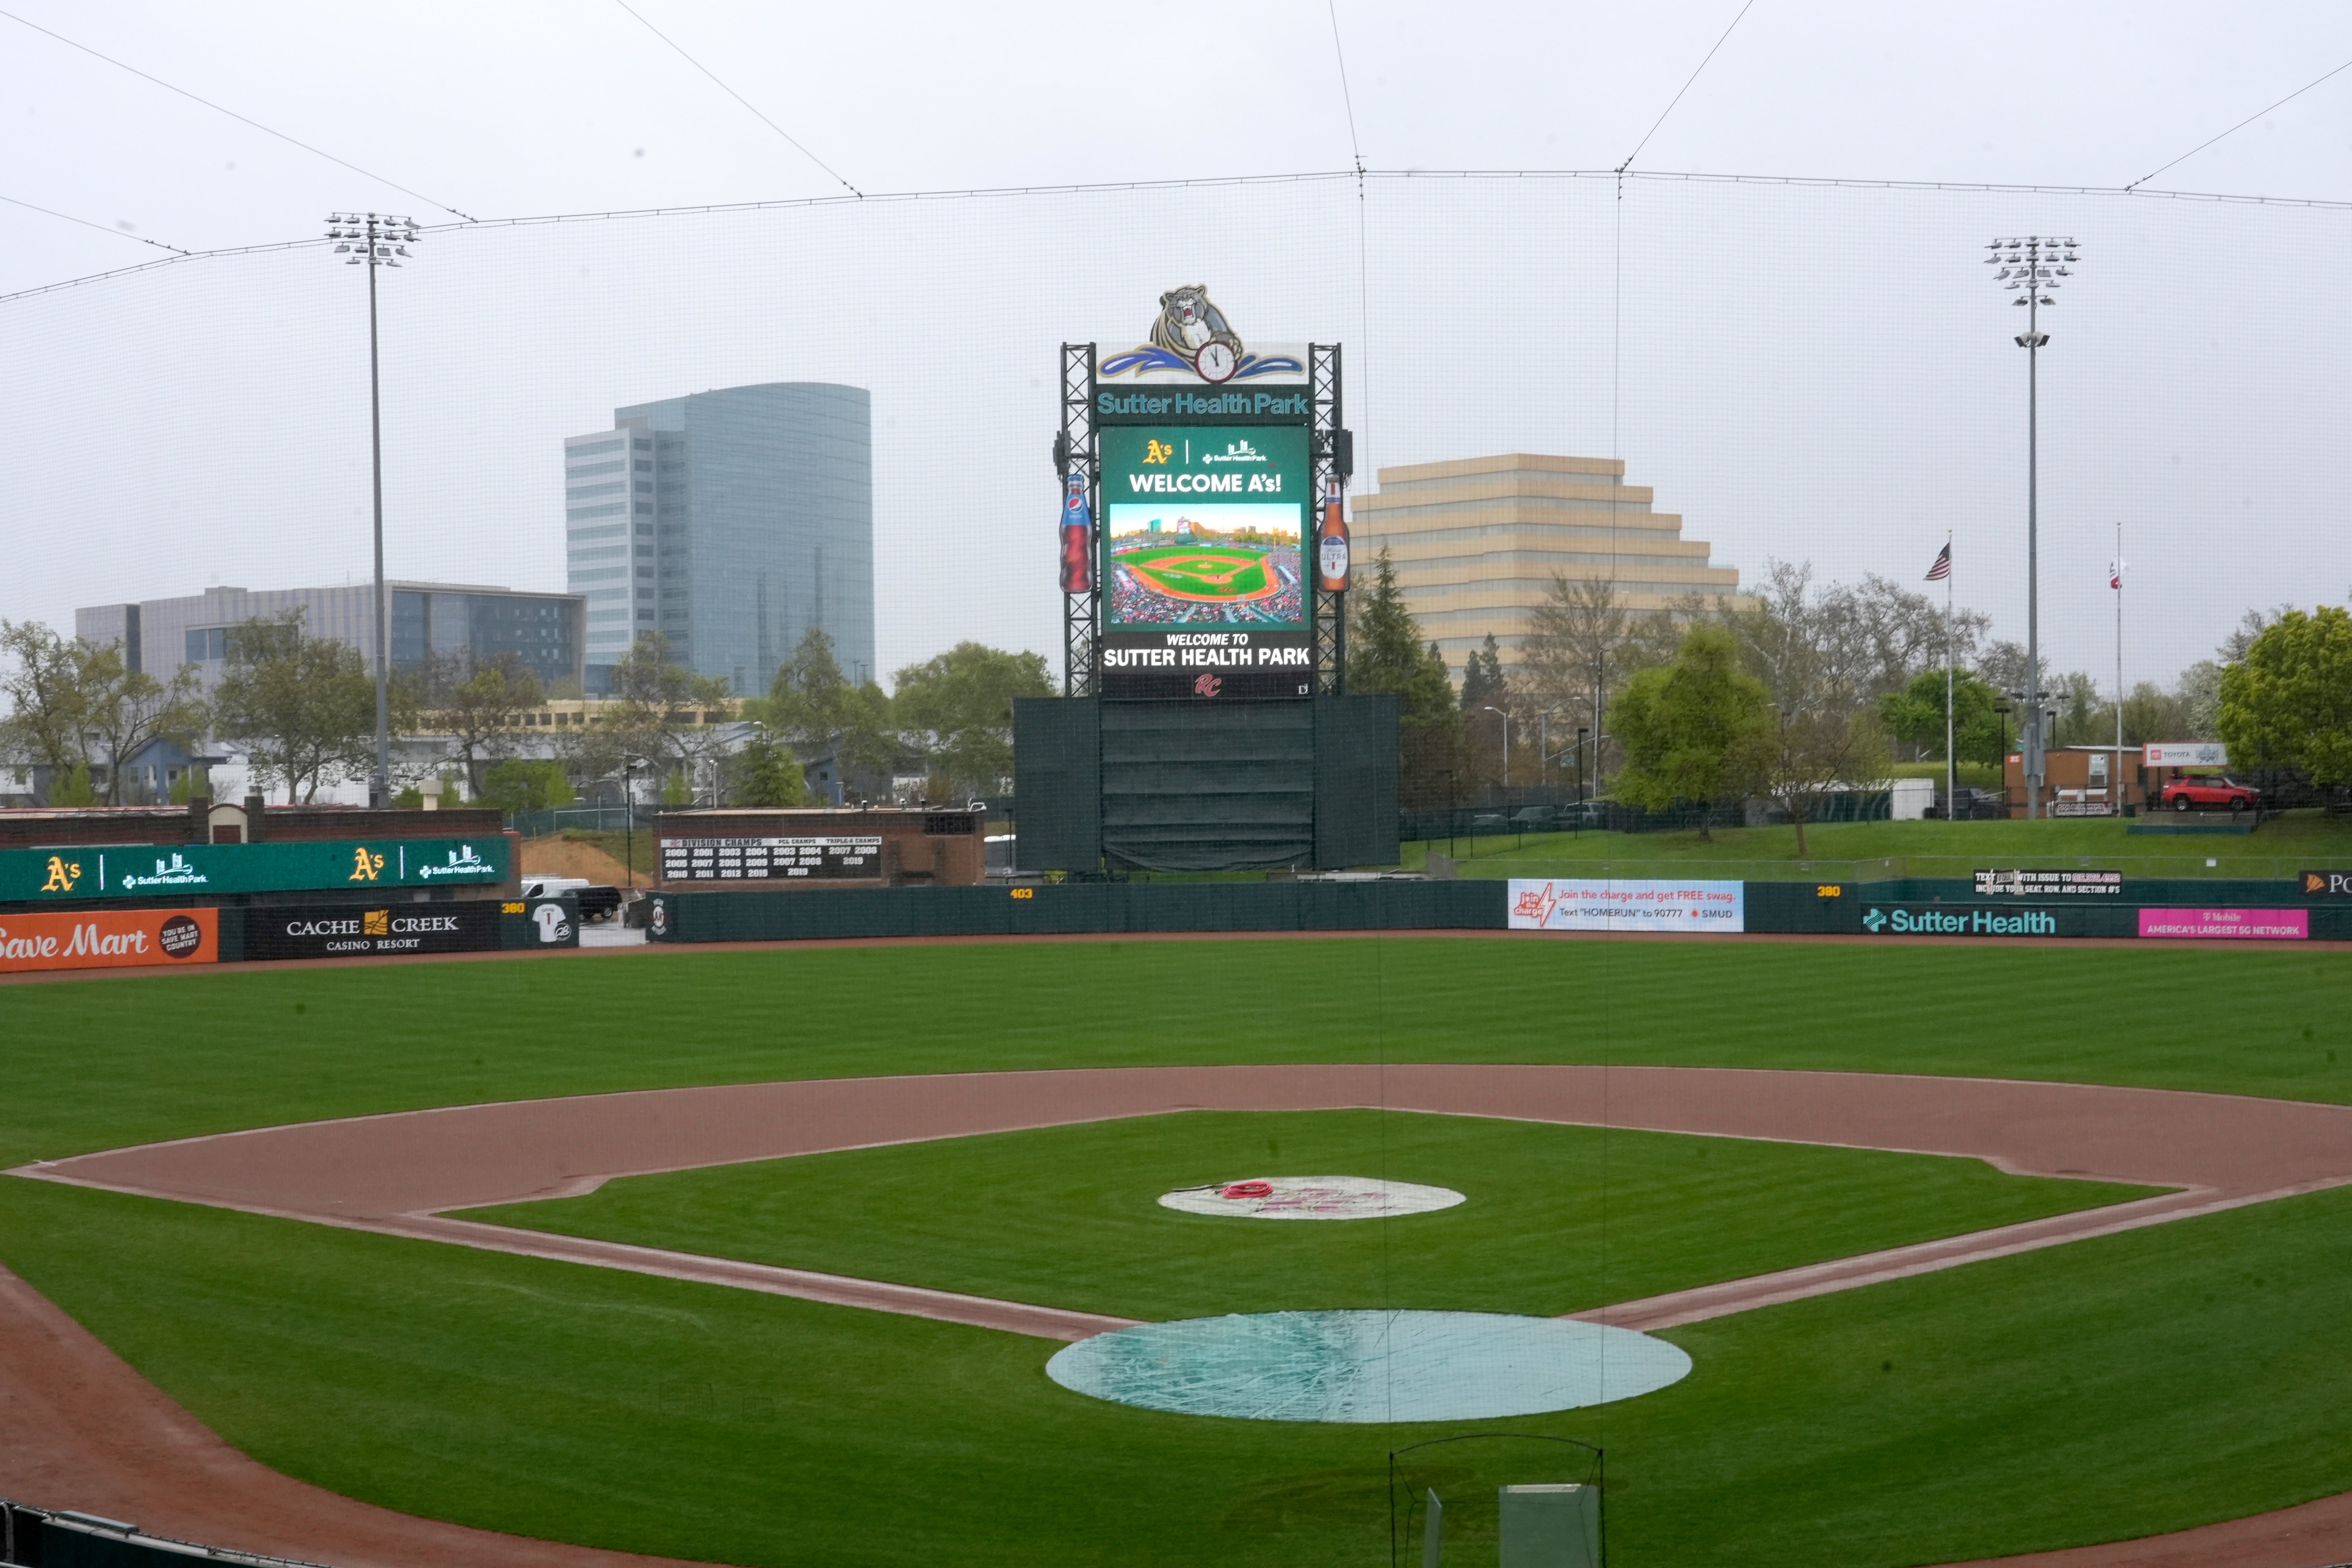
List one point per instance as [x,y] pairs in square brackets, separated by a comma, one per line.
[1477,541]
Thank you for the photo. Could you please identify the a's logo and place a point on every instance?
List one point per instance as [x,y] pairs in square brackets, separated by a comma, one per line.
[376,922]
[1158,451]
[365,868]
[1874,922]
[63,874]
[1207,686]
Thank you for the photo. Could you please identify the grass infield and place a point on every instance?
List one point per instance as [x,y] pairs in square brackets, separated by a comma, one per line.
[1558,1218]
[2196,1371]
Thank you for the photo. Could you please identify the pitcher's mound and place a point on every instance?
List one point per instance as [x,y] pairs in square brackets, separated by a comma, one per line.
[1310,1197]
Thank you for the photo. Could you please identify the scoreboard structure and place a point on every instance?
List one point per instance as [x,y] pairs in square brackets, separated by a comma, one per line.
[1204,568]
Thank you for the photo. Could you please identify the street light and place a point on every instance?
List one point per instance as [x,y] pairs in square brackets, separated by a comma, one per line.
[2033,268]
[373,241]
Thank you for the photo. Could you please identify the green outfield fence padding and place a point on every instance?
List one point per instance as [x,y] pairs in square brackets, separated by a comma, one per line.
[1078,907]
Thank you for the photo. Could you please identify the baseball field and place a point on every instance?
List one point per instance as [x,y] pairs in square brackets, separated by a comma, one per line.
[979,1124]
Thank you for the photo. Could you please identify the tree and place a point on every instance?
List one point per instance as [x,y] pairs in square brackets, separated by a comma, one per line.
[1582,639]
[1916,716]
[302,707]
[766,775]
[957,708]
[814,705]
[2288,702]
[1385,653]
[124,709]
[1811,755]
[656,722]
[478,706]
[518,785]
[1483,686]
[2152,713]
[47,697]
[1695,730]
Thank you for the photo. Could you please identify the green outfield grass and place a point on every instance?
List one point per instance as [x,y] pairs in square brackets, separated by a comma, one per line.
[1869,851]
[2149,1381]
[1557,1218]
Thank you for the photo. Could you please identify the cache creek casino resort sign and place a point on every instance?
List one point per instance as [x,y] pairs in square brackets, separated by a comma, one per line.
[1205,545]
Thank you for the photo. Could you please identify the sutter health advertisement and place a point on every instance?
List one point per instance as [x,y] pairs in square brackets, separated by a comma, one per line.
[1563,904]
[108,939]
[1204,584]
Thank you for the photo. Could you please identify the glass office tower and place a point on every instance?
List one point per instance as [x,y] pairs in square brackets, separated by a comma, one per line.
[731,522]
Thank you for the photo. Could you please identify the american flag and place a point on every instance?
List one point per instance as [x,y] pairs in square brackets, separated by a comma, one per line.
[1943,566]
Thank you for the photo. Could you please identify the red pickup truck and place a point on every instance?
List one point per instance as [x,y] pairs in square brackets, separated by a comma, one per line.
[2210,791]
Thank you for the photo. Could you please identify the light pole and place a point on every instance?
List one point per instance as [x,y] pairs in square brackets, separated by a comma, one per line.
[373,241]
[2030,269]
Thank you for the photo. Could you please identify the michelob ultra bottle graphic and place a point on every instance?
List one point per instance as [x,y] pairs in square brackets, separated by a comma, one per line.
[1331,544]
[1077,537]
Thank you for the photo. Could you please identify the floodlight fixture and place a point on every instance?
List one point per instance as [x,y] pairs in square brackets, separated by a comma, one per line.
[376,239]
[2033,275]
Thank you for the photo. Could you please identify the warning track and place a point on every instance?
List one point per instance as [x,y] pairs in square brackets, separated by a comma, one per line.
[90,1433]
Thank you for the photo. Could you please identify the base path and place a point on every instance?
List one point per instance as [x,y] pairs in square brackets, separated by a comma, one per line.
[103,1439]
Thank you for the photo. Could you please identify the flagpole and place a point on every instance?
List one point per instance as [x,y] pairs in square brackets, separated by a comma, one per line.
[1952,758]
[2119,667]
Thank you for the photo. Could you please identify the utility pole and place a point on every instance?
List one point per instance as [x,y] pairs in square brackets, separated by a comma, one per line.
[373,241]
[2032,269]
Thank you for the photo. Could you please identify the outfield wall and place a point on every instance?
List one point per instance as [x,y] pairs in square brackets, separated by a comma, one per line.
[1928,907]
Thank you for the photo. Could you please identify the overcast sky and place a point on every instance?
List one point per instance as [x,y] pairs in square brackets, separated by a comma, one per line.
[1802,374]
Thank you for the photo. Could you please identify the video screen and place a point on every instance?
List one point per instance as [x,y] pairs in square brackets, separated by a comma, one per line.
[1223,563]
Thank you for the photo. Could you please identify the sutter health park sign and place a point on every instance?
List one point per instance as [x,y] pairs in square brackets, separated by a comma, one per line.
[159,871]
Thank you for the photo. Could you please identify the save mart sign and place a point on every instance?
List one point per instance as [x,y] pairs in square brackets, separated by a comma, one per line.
[159,871]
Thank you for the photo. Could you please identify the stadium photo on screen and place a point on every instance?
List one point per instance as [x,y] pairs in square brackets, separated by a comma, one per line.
[1194,563]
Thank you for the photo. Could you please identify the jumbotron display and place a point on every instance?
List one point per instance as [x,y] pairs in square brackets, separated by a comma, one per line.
[1204,583]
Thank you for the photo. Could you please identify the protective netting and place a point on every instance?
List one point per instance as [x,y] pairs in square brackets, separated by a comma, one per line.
[1803,372]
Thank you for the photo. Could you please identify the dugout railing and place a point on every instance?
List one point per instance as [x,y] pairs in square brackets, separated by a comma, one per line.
[34,1537]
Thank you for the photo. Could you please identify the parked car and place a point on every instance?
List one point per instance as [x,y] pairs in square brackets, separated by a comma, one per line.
[1533,818]
[2210,791]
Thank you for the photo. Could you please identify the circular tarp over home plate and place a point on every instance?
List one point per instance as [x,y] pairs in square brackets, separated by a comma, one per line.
[1310,1197]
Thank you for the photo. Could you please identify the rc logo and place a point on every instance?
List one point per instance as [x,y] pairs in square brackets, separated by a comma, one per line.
[1207,686]
[1874,922]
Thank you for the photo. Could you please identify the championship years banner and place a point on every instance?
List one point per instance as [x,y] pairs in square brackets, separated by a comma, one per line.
[1204,590]
[1622,905]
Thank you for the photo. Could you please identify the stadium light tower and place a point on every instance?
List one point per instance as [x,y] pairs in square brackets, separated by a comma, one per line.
[373,241]
[2033,268]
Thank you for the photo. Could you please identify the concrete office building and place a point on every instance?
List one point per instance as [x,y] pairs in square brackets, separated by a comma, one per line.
[545,632]
[731,522]
[1477,541]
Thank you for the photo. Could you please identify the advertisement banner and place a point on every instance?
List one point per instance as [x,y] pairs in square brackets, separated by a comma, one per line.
[2185,755]
[1973,920]
[153,871]
[2049,884]
[2227,925]
[2327,884]
[109,939]
[344,931]
[1203,570]
[1598,904]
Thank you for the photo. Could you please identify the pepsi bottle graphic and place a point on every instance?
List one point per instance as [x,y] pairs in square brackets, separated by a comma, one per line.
[1331,560]
[1077,537]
